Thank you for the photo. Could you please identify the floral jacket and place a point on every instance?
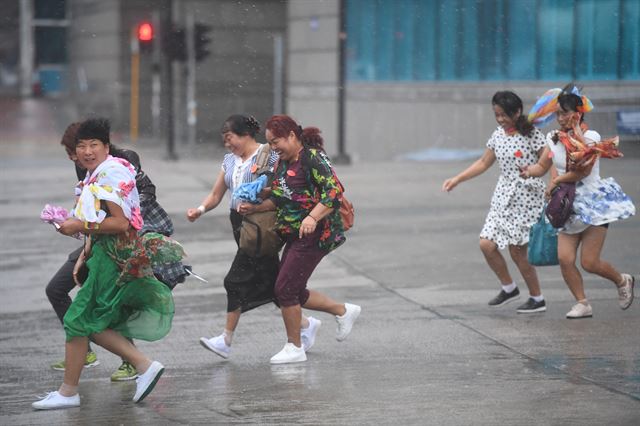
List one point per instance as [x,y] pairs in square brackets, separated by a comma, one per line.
[295,201]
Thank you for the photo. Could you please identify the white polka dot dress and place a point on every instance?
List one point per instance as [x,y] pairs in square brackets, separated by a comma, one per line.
[516,203]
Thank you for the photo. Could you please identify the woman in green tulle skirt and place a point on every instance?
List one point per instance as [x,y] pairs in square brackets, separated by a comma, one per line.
[119,297]
[136,306]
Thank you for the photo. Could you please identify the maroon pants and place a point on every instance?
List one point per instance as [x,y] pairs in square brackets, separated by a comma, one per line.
[299,259]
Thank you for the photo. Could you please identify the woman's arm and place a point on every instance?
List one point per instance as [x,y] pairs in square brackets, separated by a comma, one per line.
[211,201]
[309,222]
[115,223]
[476,168]
[248,208]
[540,168]
[81,260]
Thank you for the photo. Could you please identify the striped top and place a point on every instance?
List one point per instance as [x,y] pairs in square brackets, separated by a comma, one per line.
[237,172]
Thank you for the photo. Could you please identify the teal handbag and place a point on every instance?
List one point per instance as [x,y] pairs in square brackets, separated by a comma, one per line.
[543,243]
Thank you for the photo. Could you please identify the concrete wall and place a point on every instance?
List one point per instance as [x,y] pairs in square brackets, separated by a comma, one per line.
[10,48]
[238,75]
[312,68]
[388,120]
[95,51]
[385,121]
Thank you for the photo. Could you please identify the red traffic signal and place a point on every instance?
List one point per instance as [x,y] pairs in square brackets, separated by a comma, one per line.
[145,32]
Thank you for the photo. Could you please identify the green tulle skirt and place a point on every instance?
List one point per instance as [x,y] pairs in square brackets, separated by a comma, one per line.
[140,308]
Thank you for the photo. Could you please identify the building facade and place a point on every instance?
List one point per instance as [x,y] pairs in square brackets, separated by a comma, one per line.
[421,73]
[415,74]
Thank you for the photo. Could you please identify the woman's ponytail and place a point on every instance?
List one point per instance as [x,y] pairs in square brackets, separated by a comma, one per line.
[311,138]
[524,126]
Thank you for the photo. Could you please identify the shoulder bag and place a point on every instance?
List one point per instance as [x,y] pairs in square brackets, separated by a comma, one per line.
[560,206]
[258,237]
[543,243]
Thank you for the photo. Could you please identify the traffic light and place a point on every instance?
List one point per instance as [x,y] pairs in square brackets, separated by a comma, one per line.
[175,45]
[201,41]
[145,36]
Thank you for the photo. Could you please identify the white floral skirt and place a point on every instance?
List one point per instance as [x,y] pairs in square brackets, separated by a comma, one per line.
[598,202]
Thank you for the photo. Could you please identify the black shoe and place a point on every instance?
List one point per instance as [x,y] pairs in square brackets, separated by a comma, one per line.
[531,306]
[503,297]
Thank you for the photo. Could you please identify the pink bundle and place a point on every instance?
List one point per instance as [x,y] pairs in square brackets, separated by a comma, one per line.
[55,215]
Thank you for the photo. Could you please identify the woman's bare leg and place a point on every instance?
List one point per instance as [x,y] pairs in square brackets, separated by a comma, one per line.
[320,302]
[75,353]
[119,345]
[292,317]
[592,242]
[496,261]
[519,257]
[567,252]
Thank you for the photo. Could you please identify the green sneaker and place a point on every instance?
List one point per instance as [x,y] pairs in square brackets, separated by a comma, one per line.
[90,361]
[125,372]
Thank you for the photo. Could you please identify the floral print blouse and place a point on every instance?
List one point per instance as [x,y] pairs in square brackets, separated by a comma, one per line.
[298,186]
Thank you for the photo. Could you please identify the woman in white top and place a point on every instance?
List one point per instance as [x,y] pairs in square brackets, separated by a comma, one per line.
[250,281]
[597,203]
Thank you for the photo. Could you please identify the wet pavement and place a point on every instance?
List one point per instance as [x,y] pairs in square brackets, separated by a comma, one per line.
[426,349]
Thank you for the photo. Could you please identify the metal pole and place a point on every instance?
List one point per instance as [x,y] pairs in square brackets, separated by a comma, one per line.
[156,85]
[135,87]
[192,106]
[168,84]
[26,48]
[342,157]
[278,73]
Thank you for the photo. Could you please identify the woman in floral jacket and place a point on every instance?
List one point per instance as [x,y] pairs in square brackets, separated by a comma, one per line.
[306,194]
[120,297]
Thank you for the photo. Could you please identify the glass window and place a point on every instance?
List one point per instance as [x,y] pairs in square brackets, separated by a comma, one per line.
[51,45]
[49,9]
[476,40]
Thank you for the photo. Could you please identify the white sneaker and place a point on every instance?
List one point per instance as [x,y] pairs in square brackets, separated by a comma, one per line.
[290,353]
[308,335]
[580,310]
[54,400]
[217,345]
[147,381]
[345,322]
[625,291]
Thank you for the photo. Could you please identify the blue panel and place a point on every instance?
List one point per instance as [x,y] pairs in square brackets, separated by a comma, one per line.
[478,40]
[468,59]
[630,57]
[360,47]
[383,35]
[605,43]
[584,52]
[51,80]
[403,40]
[555,39]
[447,44]
[490,44]
[521,41]
[426,38]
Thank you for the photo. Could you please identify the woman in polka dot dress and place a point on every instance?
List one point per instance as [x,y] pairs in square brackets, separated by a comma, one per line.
[516,203]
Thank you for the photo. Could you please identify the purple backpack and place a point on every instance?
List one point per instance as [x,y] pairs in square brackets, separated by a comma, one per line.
[560,206]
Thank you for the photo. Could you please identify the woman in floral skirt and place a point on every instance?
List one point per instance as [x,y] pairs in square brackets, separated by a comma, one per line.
[597,203]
